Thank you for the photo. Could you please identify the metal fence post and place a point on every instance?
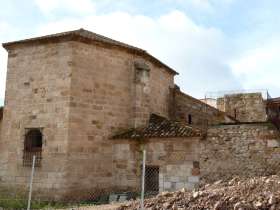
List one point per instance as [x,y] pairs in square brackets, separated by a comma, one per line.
[143,179]
[31,182]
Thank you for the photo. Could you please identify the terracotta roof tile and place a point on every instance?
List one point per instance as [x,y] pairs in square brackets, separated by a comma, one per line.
[160,127]
[274,100]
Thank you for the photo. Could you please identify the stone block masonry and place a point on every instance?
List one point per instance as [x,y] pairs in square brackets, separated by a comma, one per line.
[195,112]
[176,159]
[245,107]
[77,88]
[68,94]
[108,95]
[37,96]
[241,149]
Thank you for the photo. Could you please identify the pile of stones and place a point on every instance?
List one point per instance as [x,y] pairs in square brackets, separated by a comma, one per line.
[261,193]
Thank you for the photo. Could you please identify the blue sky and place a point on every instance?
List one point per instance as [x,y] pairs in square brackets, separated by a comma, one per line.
[215,45]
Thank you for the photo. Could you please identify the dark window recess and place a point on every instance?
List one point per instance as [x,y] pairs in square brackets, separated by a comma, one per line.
[235,113]
[152,180]
[33,146]
[190,119]
[196,164]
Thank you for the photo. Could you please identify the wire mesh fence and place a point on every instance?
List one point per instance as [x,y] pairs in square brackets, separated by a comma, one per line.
[150,179]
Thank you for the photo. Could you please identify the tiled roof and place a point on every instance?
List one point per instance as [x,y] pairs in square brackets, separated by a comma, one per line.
[160,127]
[82,35]
[274,100]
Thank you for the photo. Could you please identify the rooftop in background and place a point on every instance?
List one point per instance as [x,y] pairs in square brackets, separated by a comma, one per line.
[221,94]
[83,35]
[160,127]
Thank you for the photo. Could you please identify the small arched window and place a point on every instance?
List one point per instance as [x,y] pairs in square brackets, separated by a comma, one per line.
[33,142]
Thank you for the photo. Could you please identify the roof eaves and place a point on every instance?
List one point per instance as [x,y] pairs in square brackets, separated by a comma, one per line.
[88,35]
[163,64]
[6,45]
[273,100]
[160,127]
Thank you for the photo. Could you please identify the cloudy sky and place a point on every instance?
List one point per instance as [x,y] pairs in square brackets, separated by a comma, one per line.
[215,45]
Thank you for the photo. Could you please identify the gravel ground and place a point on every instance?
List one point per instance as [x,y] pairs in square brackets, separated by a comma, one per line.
[99,207]
[257,193]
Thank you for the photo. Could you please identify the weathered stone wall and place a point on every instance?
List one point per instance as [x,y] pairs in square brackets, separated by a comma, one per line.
[245,107]
[273,111]
[177,159]
[37,96]
[244,150]
[151,92]
[2,161]
[79,94]
[201,113]
[103,100]
[1,122]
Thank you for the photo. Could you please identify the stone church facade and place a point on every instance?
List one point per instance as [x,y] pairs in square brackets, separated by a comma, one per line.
[87,105]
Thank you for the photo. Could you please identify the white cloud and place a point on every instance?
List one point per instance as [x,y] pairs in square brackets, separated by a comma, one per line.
[259,67]
[197,52]
[202,4]
[75,6]
[209,6]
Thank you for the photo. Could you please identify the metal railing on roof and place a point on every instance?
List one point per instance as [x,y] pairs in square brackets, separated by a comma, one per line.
[221,94]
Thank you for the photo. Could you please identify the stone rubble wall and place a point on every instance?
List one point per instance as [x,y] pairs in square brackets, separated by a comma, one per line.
[246,107]
[243,150]
[177,159]
[201,113]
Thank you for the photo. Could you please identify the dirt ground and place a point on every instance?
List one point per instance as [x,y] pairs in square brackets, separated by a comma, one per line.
[99,207]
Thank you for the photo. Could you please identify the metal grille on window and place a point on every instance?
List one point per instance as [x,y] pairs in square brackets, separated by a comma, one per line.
[32,146]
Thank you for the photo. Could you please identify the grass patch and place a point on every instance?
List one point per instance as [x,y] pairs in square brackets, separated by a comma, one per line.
[19,204]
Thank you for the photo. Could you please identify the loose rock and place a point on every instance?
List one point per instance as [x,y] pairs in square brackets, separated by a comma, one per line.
[238,194]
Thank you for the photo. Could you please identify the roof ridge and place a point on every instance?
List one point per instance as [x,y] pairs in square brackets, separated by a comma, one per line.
[87,36]
[82,30]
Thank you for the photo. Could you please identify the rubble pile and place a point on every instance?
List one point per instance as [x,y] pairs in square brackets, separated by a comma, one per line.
[261,193]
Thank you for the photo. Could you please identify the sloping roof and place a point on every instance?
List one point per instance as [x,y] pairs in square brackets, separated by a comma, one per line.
[85,35]
[160,127]
[274,100]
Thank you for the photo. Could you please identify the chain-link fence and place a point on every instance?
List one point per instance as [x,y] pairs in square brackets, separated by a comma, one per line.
[17,193]
[150,179]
